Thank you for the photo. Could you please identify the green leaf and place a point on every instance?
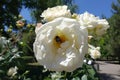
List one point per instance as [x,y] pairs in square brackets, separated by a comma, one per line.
[1,71]
[27,79]
[26,57]
[91,72]
[84,77]
[47,78]
[34,64]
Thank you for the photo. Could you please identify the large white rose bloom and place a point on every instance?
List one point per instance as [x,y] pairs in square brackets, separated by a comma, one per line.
[94,52]
[61,44]
[55,12]
[95,25]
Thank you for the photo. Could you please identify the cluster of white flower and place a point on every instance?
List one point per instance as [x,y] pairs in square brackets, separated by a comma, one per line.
[62,42]
[95,25]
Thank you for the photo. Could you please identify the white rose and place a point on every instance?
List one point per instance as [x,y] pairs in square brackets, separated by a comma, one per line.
[94,52]
[56,76]
[12,71]
[55,12]
[101,27]
[61,44]
[90,62]
[3,42]
[95,25]
[1,58]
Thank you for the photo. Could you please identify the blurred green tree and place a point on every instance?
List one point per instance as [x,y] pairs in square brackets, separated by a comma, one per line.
[110,42]
[114,31]
[10,15]
[8,10]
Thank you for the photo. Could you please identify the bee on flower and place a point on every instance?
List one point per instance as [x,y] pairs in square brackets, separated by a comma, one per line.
[61,44]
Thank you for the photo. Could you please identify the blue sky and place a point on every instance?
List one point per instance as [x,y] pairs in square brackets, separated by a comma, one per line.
[96,7]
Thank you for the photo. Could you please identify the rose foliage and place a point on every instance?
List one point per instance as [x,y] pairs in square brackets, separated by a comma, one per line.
[60,48]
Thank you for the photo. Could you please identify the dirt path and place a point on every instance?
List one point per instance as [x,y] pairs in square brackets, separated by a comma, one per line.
[109,71]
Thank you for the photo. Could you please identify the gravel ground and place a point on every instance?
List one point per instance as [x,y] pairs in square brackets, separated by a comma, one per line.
[108,70]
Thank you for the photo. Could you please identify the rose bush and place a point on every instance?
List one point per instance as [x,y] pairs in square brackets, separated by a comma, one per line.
[61,44]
